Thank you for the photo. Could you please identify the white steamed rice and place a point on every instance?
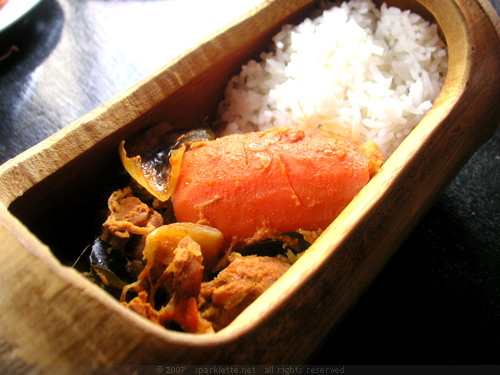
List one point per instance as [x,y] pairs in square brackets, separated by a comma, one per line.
[354,70]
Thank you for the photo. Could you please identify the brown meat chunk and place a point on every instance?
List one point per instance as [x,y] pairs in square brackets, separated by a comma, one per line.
[186,271]
[187,268]
[142,307]
[237,286]
[128,215]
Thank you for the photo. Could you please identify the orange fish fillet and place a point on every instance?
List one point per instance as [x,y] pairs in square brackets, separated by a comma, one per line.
[253,186]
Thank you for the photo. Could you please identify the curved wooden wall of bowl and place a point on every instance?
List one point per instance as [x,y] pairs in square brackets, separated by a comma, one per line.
[52,315]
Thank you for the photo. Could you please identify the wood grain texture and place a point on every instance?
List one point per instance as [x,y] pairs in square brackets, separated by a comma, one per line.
[59,306]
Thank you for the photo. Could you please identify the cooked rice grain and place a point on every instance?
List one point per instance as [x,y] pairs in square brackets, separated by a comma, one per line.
[354,70]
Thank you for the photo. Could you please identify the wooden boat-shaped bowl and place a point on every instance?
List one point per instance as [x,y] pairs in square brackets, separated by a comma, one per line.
[53,315]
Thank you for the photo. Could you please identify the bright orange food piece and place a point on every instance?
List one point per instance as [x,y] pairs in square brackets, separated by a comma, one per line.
[253,186]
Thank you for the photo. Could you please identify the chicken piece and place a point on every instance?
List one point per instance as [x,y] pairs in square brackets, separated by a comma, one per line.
[141,306]
[186,271]
[257,185]
[186,314]
[161,243]
[237,286]
[187,268]
[128,215]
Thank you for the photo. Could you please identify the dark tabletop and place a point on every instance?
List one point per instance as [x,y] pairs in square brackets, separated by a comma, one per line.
[437,300]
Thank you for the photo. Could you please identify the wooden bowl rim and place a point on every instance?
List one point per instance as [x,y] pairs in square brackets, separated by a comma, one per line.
[450,18]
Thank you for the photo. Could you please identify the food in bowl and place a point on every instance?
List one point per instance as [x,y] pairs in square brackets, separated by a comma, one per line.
[214,216]
[356,70]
